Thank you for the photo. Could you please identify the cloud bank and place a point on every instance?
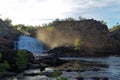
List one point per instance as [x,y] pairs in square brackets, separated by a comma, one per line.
[35,12]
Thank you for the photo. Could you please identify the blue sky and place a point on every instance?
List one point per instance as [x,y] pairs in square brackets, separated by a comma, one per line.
[38,12]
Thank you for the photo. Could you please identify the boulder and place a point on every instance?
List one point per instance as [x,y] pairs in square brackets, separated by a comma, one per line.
[51,61]
[9,55]
[70,52]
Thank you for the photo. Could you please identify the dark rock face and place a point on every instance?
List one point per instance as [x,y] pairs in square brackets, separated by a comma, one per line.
[115,37]
[91,34]
[69,52]
[7,36]
[9,55]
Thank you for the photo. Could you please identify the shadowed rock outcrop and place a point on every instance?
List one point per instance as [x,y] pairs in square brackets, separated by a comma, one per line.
[91,34]
[115,37]
[7,36]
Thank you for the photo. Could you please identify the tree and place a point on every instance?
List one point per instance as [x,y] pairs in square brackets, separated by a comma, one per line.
[81,18]
[22,59]
[114,28]
[3,68]
[103,22]
[77,44]
[57,19]
[0,56]
[70,19]
[8,21]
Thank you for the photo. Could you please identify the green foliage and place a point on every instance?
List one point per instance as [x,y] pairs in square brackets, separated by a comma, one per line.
[22,59]
[8,21]
[53,23]
[69,19]
[114,28]
[103,22]
[5,66]
[24,29]
[62,78]
[56,73]
[81,18]
[50,28]
[77,44]
[0,56]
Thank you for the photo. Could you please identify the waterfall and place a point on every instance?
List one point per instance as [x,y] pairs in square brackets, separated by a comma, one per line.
[31,44]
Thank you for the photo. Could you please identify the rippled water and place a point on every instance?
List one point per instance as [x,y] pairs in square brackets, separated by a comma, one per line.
[112,72]
[33,45]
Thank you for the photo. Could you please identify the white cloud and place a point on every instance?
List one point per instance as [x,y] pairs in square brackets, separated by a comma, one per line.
[35,12]
[24,11]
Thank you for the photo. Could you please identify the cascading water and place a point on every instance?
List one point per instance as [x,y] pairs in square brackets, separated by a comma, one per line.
[31,44]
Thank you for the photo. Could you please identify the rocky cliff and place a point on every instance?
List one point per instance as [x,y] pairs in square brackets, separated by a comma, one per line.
[7,36]
[90,34]
[115,37]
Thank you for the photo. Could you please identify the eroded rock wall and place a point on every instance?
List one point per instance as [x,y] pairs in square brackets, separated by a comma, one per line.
[7,36]
[115,38]
[92,34]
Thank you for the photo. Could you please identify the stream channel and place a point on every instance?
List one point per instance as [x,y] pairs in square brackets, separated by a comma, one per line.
[112,72]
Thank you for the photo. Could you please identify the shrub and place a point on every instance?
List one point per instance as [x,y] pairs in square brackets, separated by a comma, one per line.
[22,59]
[0,56]
[49,28]
[5,66]
[114,28]
[77,44]
[56,73]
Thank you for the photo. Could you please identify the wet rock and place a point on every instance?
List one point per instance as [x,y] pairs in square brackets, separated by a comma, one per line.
[81,66]
[42,67]
[96,78]
[53,61]
[33,66]
[6,74]
[96,69]
[69,52]
[105,78]
[31,74]
[100,78]
[80,78]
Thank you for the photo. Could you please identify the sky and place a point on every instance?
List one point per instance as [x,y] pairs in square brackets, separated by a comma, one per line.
[38,12]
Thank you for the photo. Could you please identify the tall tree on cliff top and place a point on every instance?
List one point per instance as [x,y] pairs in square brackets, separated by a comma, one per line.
[8,21]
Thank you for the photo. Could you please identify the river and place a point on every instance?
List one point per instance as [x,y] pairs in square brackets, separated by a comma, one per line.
[36,47]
